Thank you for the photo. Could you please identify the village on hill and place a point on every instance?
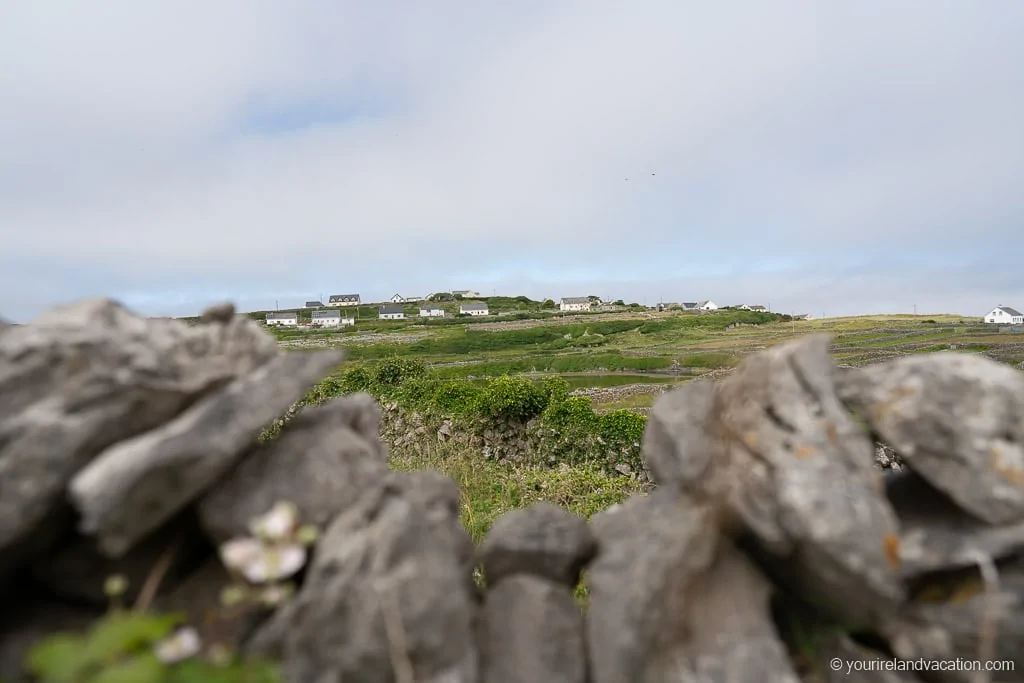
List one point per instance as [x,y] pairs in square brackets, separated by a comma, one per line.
[342,310]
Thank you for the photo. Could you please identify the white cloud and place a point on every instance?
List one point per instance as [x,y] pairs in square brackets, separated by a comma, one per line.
[824,129]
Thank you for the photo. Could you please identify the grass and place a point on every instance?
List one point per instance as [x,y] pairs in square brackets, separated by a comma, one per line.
[633,402]
[490,490]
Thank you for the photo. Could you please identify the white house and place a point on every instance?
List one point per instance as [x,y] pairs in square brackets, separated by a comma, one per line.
[465,293]
[391,312]
[707,306]
[1004,315]
[574,303]
[344,300]
[473,308]
[431,311]
[397,299]
[287,318]
[756,309]
[328,318]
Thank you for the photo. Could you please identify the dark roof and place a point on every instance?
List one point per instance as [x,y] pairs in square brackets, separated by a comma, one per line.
[431,307]
[325,314]
[312,304]
[391,308]
[343,297]
[474,306]
[689,304]
[281,314]
[1010,311]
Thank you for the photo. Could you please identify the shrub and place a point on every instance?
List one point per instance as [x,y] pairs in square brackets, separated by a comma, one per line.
[555,389]
[512,398]
[356,379]
[457,397]
[392,371]
[622,427]
[417,392]
[572,412]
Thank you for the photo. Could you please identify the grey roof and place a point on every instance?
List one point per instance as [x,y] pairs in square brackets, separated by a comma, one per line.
[690,304]
[758,308]
[343,297]
[1010,311]
[391,308]
[319,315]
[431,307]
[575,300]
[474,306]
[311,304]
[281,315]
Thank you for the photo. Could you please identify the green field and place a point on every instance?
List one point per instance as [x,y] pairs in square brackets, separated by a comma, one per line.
[617,363]
[640,347]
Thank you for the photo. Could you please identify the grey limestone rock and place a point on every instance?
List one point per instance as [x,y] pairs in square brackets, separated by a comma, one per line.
[773,445]
[387,596]
[324,459]
[542,540]
[135,485]
[83,377]
[936,535]
[956,419]
[531,631]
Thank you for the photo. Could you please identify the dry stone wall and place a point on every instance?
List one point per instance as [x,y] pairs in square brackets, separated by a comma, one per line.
[771,544]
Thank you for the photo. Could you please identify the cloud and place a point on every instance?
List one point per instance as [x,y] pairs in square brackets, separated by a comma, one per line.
[276,150]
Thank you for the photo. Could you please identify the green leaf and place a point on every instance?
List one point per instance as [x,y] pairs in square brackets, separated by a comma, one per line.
[58,658]
[197,671]
[121,633]
[144,668]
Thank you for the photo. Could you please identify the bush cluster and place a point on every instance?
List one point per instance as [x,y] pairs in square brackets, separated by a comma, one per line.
[506,399]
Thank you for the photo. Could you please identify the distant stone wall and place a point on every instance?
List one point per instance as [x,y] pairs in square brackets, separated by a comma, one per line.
[771,545]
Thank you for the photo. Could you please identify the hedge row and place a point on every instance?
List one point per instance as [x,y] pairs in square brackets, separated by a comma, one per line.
[506,398]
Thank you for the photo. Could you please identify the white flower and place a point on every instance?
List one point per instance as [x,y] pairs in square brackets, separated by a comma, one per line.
[182,644]
[239,553]
[277,524]
[275,563]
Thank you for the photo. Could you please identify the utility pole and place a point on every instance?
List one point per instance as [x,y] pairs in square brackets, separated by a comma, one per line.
[915,309]
[277,306]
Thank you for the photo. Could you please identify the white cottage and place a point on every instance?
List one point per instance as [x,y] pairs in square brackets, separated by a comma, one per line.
[344,300]
[391,312]
[1004,315]
[574,303]
[327,318]
[285,318]
[431,312]
[473,308]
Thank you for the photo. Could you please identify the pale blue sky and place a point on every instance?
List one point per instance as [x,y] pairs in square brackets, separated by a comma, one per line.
[841,157]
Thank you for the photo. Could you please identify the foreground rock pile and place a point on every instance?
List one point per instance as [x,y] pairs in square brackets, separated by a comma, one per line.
[771,544]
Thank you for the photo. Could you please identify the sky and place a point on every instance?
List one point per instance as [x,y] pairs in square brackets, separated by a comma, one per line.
[831,158]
